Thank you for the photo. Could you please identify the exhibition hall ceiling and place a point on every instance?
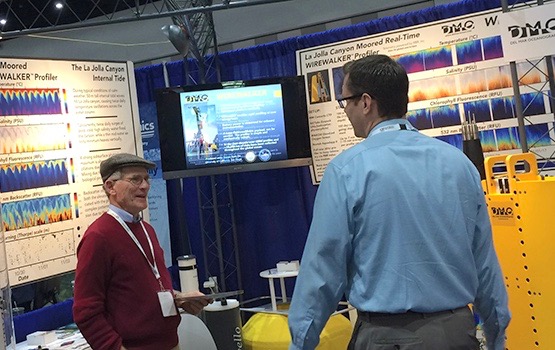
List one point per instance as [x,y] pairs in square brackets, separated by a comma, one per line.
[25,15]
[74,34]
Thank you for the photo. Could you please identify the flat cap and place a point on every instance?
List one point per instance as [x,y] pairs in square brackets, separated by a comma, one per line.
[121,160]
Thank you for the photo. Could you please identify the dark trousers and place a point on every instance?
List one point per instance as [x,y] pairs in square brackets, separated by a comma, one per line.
[445,330]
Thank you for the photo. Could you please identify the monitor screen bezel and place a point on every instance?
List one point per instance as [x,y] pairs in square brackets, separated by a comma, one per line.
[173,153]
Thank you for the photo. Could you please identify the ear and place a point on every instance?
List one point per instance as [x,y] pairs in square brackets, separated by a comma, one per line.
[368,103]
[109,186]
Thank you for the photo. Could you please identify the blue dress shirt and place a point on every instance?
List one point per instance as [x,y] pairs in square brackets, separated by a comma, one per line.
[400,223]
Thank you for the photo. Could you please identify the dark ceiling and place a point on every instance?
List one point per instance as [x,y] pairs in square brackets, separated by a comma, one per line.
[33,15]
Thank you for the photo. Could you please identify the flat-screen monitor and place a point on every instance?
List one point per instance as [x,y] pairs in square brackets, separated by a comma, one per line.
[233,127]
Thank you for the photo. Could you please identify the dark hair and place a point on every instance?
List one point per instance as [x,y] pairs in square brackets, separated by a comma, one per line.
[382,78]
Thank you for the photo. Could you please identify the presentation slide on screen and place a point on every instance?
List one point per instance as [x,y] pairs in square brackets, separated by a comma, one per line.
[457,72]
[58,121]
[232,126]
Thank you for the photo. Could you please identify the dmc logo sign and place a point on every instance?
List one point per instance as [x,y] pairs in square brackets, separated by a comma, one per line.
[196,98]
[502,211]
[458,27]
[533,29]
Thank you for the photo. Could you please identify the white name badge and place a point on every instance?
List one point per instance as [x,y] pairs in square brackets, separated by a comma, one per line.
[167,303]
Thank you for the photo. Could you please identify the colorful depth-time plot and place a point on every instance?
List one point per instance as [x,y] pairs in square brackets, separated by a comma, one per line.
[23,176]
[472,82]
[32,138]
[412,62]
[420,118]
[503,108]
[439,57]
[445,116]
[538,135]
[493,48]
[487,140]
[469,52]
[478,111]
[14,102]
[499,77]
[35,212]
[507,139]
[454,140]
[532,104]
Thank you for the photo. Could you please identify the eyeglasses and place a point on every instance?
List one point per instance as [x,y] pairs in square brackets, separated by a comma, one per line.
[136,180]
[343,101]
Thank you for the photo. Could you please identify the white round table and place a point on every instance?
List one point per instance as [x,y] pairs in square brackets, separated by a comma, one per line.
[270,275]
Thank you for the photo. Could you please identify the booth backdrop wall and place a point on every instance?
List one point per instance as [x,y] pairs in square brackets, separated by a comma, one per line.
[273,208]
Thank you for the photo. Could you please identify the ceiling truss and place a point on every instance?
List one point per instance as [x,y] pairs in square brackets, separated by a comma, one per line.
[23,17]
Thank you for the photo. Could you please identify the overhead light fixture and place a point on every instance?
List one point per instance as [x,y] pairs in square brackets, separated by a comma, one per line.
[2,21]
[59,5]
[178,36]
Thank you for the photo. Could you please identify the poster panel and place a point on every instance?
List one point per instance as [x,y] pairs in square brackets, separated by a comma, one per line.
[528,32]
[457,72]
[58,121]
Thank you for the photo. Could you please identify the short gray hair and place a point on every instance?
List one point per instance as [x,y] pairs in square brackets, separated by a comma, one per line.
[116,175]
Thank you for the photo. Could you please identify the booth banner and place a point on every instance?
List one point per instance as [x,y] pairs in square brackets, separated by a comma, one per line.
[457,71]
[58,121]
[157,196]
[528,32]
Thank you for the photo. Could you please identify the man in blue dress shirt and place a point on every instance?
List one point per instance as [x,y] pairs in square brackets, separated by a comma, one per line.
[400,226]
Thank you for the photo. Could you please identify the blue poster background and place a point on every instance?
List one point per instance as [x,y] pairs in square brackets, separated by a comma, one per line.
[157,198]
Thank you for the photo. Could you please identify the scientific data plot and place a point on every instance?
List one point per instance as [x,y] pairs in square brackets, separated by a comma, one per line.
[469,52]
[337,77]
[537,135]
[23,176]
[507,139]
[499,78]
[15,102]
[412,62]
[420,119]
[417,91]
[454,140]
[493,47]
[472,82]
[439,57]
[487,140]
[35,212]
[39,249]
[530,72]
[503,108]
[445,116]
[477,110]
[32,138]
[532,104]
[428,89]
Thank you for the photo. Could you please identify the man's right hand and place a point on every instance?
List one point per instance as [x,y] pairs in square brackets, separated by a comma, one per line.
[195,305]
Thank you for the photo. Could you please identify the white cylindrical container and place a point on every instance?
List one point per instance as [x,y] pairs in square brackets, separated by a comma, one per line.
[188,275]
[223,320]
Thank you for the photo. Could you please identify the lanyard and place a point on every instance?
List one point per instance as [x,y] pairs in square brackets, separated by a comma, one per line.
[392,127]
[153,267]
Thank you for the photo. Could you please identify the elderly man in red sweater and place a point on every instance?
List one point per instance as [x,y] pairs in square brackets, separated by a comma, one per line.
[123,291]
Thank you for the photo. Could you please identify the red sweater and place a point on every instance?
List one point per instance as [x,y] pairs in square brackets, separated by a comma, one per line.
[116,294]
